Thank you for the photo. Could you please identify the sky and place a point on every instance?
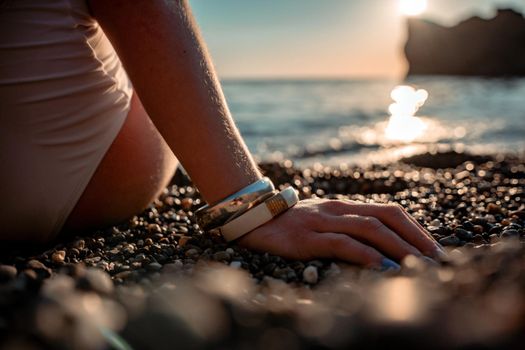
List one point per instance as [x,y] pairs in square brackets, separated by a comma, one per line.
[318,38]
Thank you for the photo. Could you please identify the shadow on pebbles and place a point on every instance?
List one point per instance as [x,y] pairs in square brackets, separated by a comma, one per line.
[158,282]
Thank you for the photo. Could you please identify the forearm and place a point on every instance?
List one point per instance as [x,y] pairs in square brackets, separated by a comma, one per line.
[161,49]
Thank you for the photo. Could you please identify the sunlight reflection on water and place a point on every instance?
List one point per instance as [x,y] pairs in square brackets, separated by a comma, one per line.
[403,125]
[336,122]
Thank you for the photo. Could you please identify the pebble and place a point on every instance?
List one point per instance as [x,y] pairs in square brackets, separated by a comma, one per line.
[79,244]
[435,223]
[478,239]
[490,218]
[479,221]
[514,226]
[74,252]
[40,269]
[96,280]
[154,266]
[182,229]
[449,240]
[493,208]
[58,256]
[467,225]
[186,203]
[7,273]
[123,275]
[494,238]
[478,229]
[495,229]
[463,234]
[154,228]
[310,274]
[30,276]
[236,264]
[173,267]
[36,265]
[128,249]
[221,256]
[333,270]
[183,240]
[192,253]
[519,213]
[285,273]
[510,233]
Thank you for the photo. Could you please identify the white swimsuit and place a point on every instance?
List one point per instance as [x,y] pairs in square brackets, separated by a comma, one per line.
[64,96]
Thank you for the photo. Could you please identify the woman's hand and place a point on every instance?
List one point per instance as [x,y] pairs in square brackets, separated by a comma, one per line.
[366,234]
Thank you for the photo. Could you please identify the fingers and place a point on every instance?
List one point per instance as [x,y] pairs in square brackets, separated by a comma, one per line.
[370,230]
[428,242]
[421,228]
[342,247]
[395,218]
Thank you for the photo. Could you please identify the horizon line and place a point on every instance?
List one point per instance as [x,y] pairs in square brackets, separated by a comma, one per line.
[307,77]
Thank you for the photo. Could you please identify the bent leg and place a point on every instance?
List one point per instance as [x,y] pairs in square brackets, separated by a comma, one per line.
[137,167]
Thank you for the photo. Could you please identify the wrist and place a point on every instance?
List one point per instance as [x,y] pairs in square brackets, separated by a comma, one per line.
[217,177]
[231,185]
[217,214]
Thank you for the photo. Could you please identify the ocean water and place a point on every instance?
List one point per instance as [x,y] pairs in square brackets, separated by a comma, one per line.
[344,121]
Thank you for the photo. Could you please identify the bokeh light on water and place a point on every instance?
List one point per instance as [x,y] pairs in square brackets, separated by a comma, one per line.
[403,125]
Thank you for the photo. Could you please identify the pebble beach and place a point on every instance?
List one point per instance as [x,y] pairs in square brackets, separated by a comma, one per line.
[158,282]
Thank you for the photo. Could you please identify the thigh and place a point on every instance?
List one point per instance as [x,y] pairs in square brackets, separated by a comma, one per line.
[135,169]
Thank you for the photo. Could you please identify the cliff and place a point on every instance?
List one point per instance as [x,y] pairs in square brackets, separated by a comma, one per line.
[476,46]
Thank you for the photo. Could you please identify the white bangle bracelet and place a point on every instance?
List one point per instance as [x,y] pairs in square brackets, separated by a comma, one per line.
[259,215]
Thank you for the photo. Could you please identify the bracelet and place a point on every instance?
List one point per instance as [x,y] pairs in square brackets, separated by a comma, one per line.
[210,217]
[257,201]
[259,215]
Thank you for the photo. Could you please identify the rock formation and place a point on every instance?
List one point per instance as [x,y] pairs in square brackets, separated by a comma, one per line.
[476,46]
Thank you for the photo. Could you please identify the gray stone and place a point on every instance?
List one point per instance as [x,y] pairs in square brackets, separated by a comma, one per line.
[154,266]
[449,240]
[310,274]
[236,264]
[464,235]
[221,256]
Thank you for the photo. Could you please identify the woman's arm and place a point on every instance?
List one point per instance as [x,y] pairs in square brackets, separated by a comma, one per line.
[165,58]
[160,47]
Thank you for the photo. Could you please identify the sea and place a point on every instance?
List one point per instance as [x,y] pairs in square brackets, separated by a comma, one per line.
[346,122]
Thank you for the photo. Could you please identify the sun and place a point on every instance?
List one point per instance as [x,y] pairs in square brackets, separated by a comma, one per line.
[412,7]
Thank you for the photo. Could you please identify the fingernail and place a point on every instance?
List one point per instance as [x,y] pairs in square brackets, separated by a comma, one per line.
[389,265]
